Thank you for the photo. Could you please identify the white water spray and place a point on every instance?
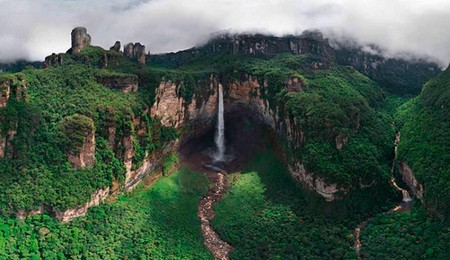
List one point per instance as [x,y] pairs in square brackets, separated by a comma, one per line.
[220,129]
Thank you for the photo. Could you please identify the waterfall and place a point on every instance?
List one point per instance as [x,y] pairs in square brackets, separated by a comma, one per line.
[220,129]
[405,193]
[406,197]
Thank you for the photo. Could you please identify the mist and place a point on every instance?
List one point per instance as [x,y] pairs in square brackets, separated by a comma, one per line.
[33,29]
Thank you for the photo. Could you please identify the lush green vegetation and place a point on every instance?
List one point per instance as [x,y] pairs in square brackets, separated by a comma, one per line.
[425,142]
[337,103]
[52,119]
[406,235]
[266,215]
[158,223]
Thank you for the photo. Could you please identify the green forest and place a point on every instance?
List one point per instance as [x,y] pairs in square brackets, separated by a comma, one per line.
[348,124]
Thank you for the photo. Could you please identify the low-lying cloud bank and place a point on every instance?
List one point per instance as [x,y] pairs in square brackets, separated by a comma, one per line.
[33,29]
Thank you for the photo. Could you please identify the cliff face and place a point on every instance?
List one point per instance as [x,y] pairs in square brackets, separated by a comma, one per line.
[135,51]
[5,91]
[309,42]
[123,82]
[86,153]
[11,87]
[80,39]
[199,113]
[79,132]
[409,178]
[398,76]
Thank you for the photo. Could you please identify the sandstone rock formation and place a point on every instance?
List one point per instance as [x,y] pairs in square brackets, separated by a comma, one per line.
[411,180]
[115,47]
[80,39]
[52,60]
[86,155]
[135,51]
[341,140]
[124,82]
[310,42]
[6,147]
[5,92]
[295,84]
[79,133]
[174,111]
[310,181]
[96,198]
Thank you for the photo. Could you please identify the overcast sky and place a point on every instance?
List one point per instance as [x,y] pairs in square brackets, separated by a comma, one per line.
[33,29]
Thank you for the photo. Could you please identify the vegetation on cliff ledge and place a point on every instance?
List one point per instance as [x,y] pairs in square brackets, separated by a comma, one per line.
[425,141]
[157,223]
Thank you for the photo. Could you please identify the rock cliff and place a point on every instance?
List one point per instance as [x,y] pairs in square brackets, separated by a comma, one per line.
[135,51]
[409,178]
[309,42]
[52,60]
[96,198]
[199,113]
[5,92]
[124,82]
[11,86]
[79,133]
[80,39]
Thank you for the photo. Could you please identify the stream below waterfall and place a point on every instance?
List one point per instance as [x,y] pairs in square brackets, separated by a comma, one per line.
[219,248]
[405,205]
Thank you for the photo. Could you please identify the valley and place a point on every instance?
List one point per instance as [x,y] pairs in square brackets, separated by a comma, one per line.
[247,147]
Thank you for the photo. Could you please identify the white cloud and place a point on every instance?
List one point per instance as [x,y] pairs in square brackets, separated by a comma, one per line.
[33,29]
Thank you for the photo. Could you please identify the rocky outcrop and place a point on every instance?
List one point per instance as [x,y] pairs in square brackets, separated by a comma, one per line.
[341,140]
[128,154]
[20,88]
[115,47]
[52,60]
[6,146]
[12,85]
[79,132]
[135,51]
[111,128]
[23,214]
[412,182]
[308,43]
[86,154]
[96,198]
[124,82]
[80,39]
[5,92]
[312,182]
[174,111]
[150,163]
[295,84]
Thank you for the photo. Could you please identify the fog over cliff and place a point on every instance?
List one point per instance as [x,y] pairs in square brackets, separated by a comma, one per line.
[32,29]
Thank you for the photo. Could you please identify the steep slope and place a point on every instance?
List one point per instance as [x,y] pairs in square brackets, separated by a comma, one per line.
[72,129]
[398,76]
[425,144]
[97,120]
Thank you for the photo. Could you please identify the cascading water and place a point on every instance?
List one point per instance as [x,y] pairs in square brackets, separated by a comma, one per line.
[220,130]
[406,205]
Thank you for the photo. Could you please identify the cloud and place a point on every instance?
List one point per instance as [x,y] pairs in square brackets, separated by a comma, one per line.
[32,29]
